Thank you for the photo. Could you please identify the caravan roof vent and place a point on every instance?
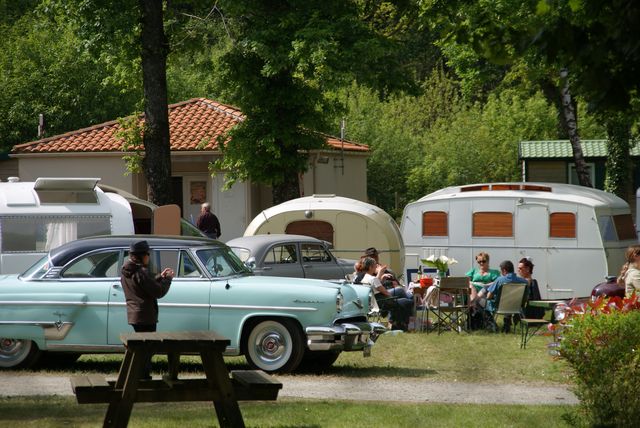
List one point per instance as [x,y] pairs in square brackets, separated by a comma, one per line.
[66,190]
[505,186]
[13,179]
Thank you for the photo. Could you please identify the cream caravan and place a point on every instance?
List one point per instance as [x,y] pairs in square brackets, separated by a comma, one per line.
[37,216]
[349,225]
[575,235]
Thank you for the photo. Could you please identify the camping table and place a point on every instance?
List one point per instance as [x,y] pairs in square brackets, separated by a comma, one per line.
[141,346]
[546,304]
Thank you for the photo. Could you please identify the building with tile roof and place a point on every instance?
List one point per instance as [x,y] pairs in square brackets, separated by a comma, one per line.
[551,161]
[195,127]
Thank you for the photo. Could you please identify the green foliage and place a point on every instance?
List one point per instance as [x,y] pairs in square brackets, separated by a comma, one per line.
[480,143]
[394,129]
[131,136]
[285,59]
[44,68]
[601,345]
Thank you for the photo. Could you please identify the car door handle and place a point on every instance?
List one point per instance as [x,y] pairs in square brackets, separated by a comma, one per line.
[267,268]
[116,287]
[307,266]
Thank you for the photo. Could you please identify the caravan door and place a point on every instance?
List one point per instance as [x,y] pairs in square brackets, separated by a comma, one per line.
[532,239]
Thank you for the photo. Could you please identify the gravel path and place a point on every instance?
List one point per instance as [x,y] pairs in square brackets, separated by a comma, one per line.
[359,389]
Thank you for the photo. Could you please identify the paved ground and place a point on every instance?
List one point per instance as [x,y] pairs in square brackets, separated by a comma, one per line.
[360,389]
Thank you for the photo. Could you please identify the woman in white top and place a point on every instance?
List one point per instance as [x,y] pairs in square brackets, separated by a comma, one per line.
[630,273]
[401,308]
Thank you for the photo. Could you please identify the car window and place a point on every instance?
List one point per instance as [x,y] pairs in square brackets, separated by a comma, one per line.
[222,262]
[95,265]
[188,267]
[279,254]
[161,259]
[315,253]
[242,253]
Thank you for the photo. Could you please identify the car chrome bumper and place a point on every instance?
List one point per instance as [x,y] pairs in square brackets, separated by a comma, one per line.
[357,336]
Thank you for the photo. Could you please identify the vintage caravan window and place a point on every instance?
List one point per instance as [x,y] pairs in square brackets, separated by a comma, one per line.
[617,227]
[562,225]
[492,224]
[42,233]
[624,226]
[315,228]
[434,223]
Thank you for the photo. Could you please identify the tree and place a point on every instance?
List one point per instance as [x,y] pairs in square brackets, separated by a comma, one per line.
[154,50]
[286,58]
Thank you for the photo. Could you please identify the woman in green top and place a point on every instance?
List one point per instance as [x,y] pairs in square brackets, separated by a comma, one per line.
[481,276]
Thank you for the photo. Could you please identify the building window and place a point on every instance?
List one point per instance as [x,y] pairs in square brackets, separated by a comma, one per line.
[492,224]
[562,225]
[573,176]
[434,223]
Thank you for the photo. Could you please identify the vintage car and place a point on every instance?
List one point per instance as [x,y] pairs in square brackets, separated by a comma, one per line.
[71,302]
[290,255]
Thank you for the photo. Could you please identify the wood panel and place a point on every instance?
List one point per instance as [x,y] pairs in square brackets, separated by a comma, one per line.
[562,225]
[435,223]
[492,224]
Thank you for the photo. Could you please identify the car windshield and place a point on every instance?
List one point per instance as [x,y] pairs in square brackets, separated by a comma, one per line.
[222,262]
[38,269]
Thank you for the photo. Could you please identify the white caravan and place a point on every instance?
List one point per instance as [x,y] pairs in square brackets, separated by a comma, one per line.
[575,235]
[351,226]
[37,216]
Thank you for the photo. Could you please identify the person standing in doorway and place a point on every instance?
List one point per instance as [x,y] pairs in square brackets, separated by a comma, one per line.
[142,291]
[208,223]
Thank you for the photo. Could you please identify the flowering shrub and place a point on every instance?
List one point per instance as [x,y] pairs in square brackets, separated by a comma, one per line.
[601,340]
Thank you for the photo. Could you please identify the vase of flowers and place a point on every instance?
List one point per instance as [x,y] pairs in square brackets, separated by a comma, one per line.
[440,263]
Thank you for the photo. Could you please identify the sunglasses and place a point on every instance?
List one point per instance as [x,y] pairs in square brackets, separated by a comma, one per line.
[481,261]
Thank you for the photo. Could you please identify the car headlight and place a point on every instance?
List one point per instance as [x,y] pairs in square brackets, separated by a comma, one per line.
[339,301]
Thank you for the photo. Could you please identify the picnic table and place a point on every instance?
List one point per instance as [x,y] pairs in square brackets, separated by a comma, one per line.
[220,386]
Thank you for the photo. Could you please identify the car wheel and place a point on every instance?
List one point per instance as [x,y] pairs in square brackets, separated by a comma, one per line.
[17,354]
[317,361]
[274,346]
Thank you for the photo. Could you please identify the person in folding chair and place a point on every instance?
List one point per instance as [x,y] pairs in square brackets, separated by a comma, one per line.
[393,299]
[507,275]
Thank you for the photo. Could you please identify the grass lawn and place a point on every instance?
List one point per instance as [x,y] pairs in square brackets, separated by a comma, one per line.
[56,412]
[450,357]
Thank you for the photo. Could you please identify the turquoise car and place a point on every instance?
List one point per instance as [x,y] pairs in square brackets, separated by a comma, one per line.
[71,302]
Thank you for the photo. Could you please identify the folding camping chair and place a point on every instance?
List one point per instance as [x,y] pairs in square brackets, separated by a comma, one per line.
[451,307]
[509,301]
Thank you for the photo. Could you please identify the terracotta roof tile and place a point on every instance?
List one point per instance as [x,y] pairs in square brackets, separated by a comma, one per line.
[190,123]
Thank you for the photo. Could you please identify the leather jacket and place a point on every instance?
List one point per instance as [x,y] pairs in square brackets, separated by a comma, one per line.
[142,293]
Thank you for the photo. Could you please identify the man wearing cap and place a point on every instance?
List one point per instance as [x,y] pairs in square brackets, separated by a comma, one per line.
[142,291]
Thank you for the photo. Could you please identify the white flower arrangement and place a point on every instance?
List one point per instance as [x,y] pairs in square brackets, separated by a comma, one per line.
[441,263]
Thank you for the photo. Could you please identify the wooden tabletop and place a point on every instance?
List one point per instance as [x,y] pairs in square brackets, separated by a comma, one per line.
[175,341]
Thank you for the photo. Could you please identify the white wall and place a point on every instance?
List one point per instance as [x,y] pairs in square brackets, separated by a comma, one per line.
[110,170]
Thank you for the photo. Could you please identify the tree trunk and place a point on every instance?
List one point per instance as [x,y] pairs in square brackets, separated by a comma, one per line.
[569,113]
[618,161]
[155,47]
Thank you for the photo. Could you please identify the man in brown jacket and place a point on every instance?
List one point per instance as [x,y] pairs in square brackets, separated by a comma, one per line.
[143,291]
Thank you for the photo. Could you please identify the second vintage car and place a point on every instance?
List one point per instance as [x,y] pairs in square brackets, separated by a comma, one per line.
[71,302]
[295,256]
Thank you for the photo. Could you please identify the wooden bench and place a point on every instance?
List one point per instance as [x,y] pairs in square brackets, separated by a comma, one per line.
[220,386]
[248,385]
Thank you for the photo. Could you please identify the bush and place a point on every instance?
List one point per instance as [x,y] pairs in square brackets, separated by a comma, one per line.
[601,344]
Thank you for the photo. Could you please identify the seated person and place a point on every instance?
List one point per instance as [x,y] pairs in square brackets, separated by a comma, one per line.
[389,278]
[507,276]
[525,270]
[481,276]
[401,311]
